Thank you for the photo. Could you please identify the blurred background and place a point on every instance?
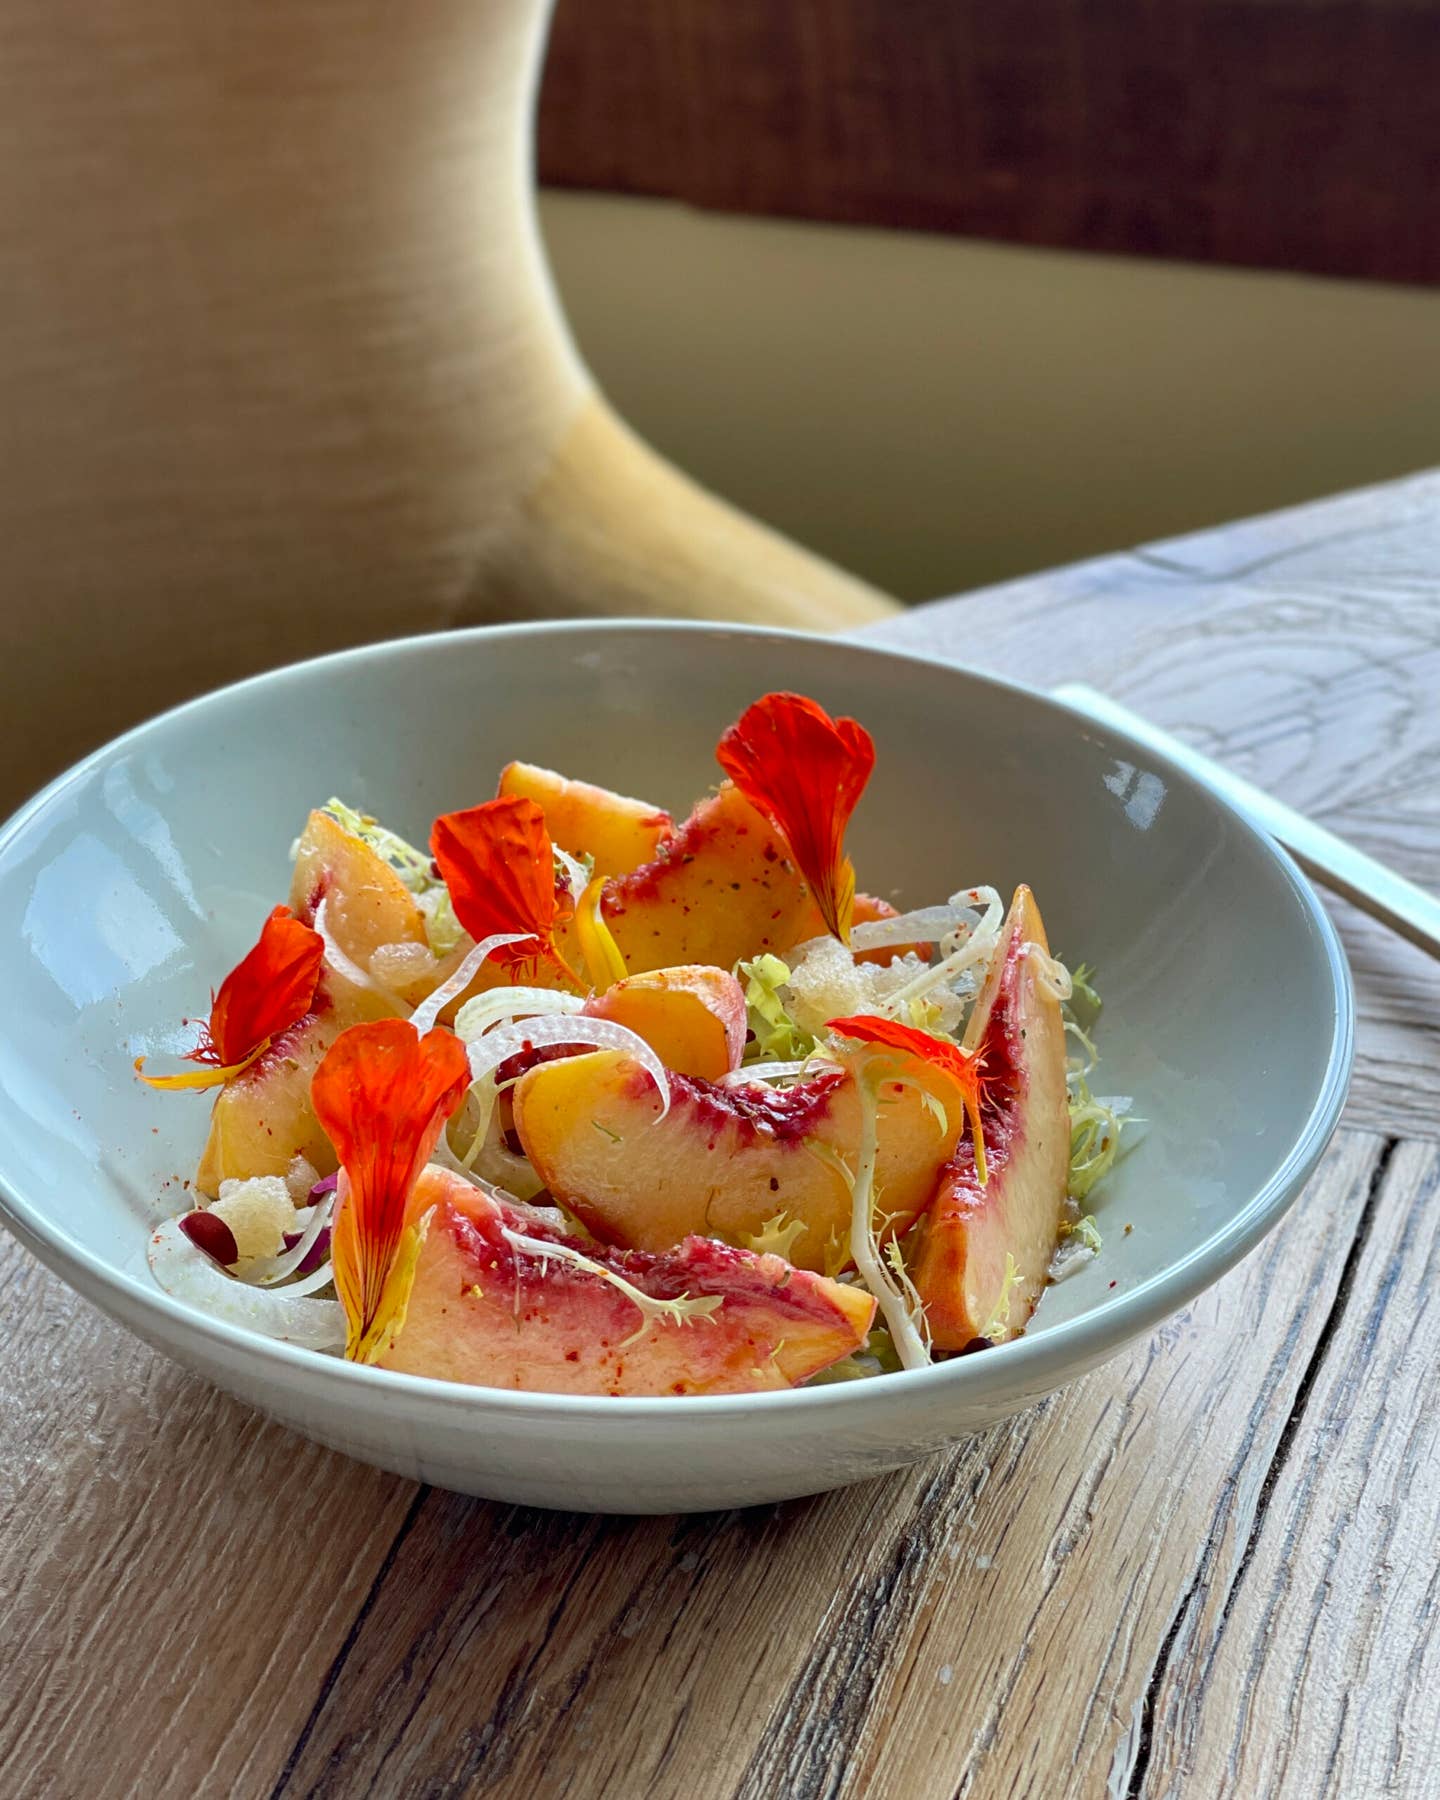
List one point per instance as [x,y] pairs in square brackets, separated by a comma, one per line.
[949,291]
[937,291]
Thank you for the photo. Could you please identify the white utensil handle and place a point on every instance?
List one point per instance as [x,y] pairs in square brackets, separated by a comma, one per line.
[1366,883]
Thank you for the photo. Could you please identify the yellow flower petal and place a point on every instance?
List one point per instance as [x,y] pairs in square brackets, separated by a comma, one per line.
[201,1078]
[389,1321]
[603,961]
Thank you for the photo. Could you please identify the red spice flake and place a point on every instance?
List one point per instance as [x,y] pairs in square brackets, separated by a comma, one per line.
[805,772]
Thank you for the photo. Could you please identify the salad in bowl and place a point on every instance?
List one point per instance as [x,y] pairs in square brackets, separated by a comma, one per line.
[580,1099]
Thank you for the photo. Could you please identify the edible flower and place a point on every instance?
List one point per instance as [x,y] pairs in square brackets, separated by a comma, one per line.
[382,1095]
[261,997]
[603,957]
[805,772]
[498,864]
[963,1068]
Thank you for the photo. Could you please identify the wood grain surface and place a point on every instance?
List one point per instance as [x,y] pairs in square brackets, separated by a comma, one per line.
[1207,1568]
[1282,133]
[1301,650]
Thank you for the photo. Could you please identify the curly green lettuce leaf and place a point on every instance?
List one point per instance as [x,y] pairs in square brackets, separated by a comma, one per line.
[411,865]
[776,1236]
[442,929]
[878,1356]
[997,1327]
[1085,1231]
[1094,1139]
[1095,1126]
[1083,994]
[775,1036]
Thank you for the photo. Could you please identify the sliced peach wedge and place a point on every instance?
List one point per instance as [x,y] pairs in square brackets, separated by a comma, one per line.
[749,1164]
[692,1018]
[760,865]
[263,1118]
[617,832]
[366,902]
[723,887]
[981,1253]
[503,1299]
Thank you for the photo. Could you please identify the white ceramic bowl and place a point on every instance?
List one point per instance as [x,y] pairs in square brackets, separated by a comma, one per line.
[131,883]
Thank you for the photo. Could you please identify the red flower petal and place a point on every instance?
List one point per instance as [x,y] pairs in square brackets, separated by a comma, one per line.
[962,1068]
[498,863]
[805,772]
[261,997]
[267,992]
[382,1095]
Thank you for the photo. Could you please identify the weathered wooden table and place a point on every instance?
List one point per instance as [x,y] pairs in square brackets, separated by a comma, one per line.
[1209,1568]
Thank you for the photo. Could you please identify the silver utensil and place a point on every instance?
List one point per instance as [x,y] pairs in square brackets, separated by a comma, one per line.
[1337,865]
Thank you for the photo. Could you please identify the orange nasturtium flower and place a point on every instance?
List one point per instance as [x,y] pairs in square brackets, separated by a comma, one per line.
[382,1094]
[499,865]
[261,997]
[963,1067]
[805,772]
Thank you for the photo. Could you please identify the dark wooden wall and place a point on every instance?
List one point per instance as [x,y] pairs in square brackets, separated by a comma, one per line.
[1293,134]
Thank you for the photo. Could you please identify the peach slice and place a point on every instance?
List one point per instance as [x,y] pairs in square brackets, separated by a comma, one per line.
[263,1118]
[983,1252]
[486,1311]
[725,1162]
[620,833]
[692,1018]
[366,902]
[721,888]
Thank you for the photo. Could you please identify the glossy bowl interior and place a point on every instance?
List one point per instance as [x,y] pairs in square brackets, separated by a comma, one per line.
[132,883]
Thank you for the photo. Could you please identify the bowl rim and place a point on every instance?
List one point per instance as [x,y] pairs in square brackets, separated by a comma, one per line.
[1034,1363]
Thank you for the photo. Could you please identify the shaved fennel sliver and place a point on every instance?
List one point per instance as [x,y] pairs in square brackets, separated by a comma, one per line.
[926,924]
[496,1047]
[978,945]
[186,1273]
[428,1011]
[313,1282]
[276,1268]
[477,1016]
[775,1071]
[1053,976]
[445,1158]
[896,1294]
